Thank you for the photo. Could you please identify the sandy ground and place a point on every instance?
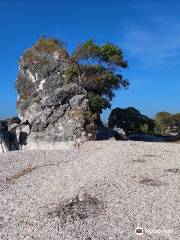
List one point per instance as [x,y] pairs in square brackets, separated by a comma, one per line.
[101,190]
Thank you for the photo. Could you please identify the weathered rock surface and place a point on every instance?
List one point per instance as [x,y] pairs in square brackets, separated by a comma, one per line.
[13,134]
[53,106]
[56,107]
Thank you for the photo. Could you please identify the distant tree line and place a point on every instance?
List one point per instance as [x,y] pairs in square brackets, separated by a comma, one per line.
[132,121]
[167,123]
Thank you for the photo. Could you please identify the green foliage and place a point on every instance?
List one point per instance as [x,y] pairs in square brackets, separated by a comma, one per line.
[176,119]
[105,54]
[97,68]
[97,102]
[100,81]
[164,118]
[71,73]
[48,44]
[112,54]
[164,121]
[131,121]
[86,50]
[144,128]
[94,67]
[167,122]
[158,129]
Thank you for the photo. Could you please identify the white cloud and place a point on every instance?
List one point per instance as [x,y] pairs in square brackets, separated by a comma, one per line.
[152,48]
[155,41]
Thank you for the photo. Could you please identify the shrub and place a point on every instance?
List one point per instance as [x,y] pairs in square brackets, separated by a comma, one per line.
[131,121]
[48,44]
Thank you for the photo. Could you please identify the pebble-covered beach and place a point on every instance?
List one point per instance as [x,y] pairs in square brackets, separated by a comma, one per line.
[100,190]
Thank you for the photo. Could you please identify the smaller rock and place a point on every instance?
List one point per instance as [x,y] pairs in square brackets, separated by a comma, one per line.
[120,131]
[106,133]
[8,135]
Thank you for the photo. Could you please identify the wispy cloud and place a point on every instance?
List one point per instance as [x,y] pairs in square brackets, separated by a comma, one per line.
[152,48]
[156,42]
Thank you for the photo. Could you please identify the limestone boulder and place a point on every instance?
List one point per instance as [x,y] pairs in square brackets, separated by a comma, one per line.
[54,105]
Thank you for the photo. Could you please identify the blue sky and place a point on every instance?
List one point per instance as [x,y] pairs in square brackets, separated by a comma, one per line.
[147,31]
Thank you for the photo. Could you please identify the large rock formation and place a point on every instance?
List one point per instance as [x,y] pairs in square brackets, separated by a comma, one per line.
[54,105]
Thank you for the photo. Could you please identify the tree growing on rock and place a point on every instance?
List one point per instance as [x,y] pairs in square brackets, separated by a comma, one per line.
[97,69]
[60,91]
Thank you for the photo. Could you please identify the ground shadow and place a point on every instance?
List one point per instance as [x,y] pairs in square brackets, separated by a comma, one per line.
[154,138]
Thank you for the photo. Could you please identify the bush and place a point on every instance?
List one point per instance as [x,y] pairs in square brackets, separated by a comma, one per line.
[167,122]
[97,102]
[97,69]
[48,44]
[131,121]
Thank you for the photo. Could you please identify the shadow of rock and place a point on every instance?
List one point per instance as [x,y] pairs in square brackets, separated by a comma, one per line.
[23,138]
[4,137]
[13,134]
[105,133]
[9,138]
[153,138]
